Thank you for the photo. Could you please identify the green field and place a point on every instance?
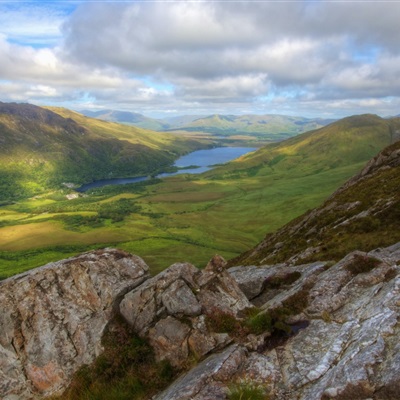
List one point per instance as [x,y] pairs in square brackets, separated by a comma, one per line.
[181,219]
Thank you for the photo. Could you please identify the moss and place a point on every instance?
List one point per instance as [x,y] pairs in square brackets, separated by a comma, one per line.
[326,316]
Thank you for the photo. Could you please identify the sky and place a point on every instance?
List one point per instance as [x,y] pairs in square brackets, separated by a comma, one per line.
[162,58]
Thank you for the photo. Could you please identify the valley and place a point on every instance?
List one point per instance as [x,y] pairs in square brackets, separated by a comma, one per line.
[190,217]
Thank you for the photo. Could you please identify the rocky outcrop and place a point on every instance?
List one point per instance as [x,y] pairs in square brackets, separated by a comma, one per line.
[171,310]
[348,349]
[52,319]
[333,331]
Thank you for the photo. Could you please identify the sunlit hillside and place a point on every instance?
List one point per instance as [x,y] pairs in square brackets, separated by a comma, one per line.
[41,150]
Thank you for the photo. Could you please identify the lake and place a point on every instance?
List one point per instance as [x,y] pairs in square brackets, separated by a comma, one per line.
[204,160]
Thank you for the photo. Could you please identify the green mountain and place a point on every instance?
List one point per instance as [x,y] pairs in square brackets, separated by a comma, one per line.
[349,141]
[270,126]
[275,127]
[362,215]
[42,148]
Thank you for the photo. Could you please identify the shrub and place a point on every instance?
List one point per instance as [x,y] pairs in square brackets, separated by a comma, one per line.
[258,322]
[126,370]
[247,391]
[276,282]
[296,303]
[222,322]
[361,263]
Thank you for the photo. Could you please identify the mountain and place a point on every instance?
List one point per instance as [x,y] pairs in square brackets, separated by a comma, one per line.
[270,126]
[351,140]
[42,148]
[362,214]
[127,117]
[275,127]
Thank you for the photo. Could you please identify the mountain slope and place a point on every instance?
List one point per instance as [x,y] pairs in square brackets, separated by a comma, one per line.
[41,149]
[351,140]
[363,214]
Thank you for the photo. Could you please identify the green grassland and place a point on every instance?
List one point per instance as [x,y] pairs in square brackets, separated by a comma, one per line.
[192,217]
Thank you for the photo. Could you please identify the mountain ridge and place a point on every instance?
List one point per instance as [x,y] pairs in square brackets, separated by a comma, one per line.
[271,126]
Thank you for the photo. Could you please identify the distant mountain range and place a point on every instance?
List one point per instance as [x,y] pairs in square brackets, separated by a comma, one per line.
[275,127]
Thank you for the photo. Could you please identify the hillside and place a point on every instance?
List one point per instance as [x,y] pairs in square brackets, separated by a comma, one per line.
[362,214]
[42,148]
[348,141]
[314,314]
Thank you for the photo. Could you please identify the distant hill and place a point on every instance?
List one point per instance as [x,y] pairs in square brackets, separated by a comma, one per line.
[273,127]
[42,148]
[277,127]
[362,215]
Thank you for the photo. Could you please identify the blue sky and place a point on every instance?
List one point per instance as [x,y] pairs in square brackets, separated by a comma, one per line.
[309,58]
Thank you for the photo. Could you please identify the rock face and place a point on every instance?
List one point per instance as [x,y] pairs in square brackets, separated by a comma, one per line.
[52,318]
[171,309]
[334,327]
[348,349]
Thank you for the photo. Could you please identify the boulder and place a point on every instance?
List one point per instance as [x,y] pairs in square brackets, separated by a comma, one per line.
[52,318]
[171,309]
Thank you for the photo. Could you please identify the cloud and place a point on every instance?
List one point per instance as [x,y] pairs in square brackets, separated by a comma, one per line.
[205,55]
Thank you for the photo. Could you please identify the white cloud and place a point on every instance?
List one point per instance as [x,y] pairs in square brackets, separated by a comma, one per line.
[204,55]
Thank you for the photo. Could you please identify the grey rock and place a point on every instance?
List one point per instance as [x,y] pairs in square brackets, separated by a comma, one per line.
[349,350]
[208,380]
[52,318]
[180,300]
[170,309]
[169,340]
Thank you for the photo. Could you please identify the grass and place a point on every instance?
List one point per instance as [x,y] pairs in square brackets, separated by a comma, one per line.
[176,220]
[247,390]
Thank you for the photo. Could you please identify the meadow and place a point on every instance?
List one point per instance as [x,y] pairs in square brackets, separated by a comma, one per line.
[182,218]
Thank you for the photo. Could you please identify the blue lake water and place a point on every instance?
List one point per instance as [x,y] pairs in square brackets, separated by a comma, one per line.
[202,159]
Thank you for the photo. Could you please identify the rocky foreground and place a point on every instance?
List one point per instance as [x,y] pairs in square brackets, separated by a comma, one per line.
[314,331]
